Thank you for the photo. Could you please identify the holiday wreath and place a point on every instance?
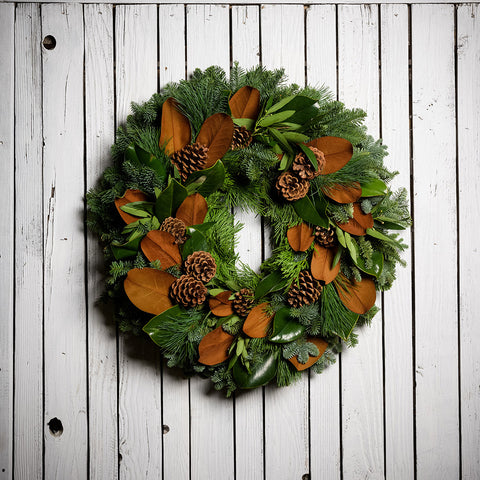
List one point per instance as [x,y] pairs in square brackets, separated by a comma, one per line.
[292,155]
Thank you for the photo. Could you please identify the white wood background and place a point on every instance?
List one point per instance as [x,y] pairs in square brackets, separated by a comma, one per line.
[404,404]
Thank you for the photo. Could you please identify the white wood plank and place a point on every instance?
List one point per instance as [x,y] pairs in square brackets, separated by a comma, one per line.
[283,46]
[7,279]
[65,456]
[176,399]
[211,415]
[28,401]
[468,84]
[362,382]
[248,406]
[140,390]
[102,344]
[435,210]
[324,389]
[397,301]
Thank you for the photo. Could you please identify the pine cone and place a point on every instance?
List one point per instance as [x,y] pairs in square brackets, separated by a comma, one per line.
[308,290]
[242,138]
[200,265]
[188,291]
[325,236]
[189,159]
[243,302]
[291,187]
[303,167]
[175,227]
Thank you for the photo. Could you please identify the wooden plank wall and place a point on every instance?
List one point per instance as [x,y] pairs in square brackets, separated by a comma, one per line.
[81,401]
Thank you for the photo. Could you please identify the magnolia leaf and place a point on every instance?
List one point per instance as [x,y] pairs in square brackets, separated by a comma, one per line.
[271,283]
[337,151]
[279,117]
[148,289]
[216,133]
[260,373]
[127,249]
[221,305]
[213,347]
[193,210]
[343,193]
[175,130]
[285,329]
[358,297]
[320,344]
[206,181]
[322,266]
[169,200]
[159,245]
[245,103]
[258,320]
[360,222]
[150,160]
[306,210]
[129,196]
[374,188]
[300,237]
[197,242]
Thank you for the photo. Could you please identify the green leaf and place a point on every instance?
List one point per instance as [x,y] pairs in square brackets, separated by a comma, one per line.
[150,223]
[307,211]
[215,291]
[296,137]
[290,126]
[358,260]
[337,256]
[261,372]
[340,237]
[284,164]
[303,116]
[310,155]
[285,329]
[248,123]
[154,325]
[374,188]
[281,140]
[139,209]
[170,199]
[127,249]
[206,181]
[352,247]
[201,227]
[280,104]
[275,118]
[196,242]
[391,223]
[131,155]
[271,283]
[376,234]
[151,161]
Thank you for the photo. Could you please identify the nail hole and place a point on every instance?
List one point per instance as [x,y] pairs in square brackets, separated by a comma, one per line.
[49,42]
[166,429]
[120,458]
[55,426]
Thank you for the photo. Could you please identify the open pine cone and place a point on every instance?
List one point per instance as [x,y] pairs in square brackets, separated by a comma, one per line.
[292,187]
[325,236]
[188,291]
[175,227]
[303,167]
[189,159]
[200,265]
[242,138]
[306,292]
[243,302]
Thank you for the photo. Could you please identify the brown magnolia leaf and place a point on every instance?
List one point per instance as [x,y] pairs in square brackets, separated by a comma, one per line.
[148,289]
[258,320]
[216,133]
[300,237]
[337,151]
[213,347]
[129,197]
[220,305]
[320,344]
[159,245]
[358,297]
[359,223]
[344,193]
[245,103]
[175,130]
[321,266]
[192,210]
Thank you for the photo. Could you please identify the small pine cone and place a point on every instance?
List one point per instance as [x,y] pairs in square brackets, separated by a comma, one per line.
[242,138]
[291,187]
[188,291]
[201,265]
[303,167]
[243,302]
[306,292]
[175,227]
[325,236]
[190,158]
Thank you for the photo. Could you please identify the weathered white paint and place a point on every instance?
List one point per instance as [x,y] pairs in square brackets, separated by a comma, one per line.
[468,84]
[399,462]
[7,236]
[435,250]
[65,352]
[28,399]
[362,382]
[102,343]
[250,2]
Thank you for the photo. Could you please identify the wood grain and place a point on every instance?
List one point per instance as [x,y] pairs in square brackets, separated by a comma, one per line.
[435,210]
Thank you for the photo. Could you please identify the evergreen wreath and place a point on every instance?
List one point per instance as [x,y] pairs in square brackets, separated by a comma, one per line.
[294,156]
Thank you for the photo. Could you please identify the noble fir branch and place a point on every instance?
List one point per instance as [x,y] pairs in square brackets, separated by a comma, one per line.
[340,213]
[327,359]
[301,348]
[309,316]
